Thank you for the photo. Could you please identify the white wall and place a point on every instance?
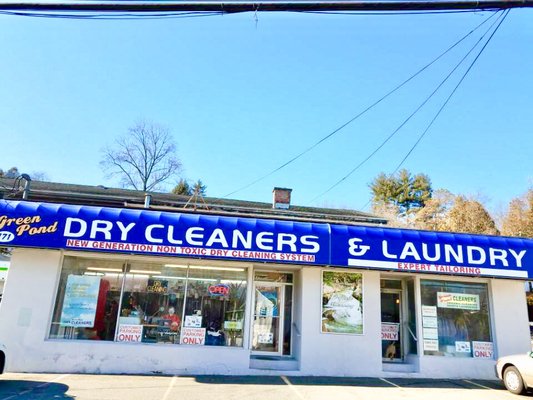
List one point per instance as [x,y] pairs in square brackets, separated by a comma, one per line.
[510,311]
[297,316]
[332,354]
[510,335]
[26,305]
[29,298]
[25,314]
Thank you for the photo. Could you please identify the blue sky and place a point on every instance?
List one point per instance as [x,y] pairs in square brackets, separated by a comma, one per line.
[241,98]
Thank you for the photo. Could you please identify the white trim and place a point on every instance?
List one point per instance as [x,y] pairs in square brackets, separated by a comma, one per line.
[393,265]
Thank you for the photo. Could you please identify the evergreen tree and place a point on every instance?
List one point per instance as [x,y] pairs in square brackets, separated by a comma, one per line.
[406,191]
[182,188]
[199,188]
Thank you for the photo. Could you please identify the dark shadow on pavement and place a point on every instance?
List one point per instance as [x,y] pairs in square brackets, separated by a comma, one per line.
[33,390]
[347,381]
[239,380]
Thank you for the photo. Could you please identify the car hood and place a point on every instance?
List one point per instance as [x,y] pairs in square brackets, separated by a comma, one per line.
[515,358]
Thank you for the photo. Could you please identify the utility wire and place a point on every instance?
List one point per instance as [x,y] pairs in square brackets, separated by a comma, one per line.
[360,114]
[451,94]
[408,118]
[396,13]
[446,102]
[192,14]
[126,16]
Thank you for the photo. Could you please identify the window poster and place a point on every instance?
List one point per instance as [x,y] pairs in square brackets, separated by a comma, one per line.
[79,303]
[129,333]
[266,302]
[459,301]
[193,321]
[431,345]
[462,347]
[430,333]
[483,349]
[429,311]
[429,322]
[390,331]
[194,336]
[342,302]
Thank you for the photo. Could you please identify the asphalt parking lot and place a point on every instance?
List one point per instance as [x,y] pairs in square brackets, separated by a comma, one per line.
[127,387]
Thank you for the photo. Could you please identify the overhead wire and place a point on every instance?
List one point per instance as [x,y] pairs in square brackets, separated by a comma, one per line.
[409,117]
[397,13]
[447,99]
[191,14]
[114,16]
[451,94]
[361,113]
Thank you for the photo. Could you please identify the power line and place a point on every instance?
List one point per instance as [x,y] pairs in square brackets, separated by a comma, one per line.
[360,114]
[105,15]
[408,118]
[451,94]
[114,16]
[269,6]
[396,13]
[446,102]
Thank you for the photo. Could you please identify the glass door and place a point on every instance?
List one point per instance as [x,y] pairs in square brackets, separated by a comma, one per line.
[268,318]
[391,322]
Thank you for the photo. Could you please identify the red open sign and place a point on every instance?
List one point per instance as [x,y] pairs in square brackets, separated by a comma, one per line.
[219,290]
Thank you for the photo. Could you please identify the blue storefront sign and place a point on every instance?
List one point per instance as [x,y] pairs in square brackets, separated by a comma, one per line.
[101,229]
[406,250]
[28,224]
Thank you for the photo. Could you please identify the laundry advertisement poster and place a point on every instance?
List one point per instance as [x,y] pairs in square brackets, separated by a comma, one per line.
[342,302]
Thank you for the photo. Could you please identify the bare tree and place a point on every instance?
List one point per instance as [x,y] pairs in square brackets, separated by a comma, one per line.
[469,216]
[518,221]
[144,158]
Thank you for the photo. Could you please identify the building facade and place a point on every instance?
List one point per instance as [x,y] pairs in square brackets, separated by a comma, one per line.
[108,289]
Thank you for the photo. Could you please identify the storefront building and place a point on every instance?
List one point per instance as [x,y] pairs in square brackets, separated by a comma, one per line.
[101,289]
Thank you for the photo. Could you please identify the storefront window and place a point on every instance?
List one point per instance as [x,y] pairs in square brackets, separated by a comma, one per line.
[215,306]
[87,299]
[456,319]
[139,302]
[152,304]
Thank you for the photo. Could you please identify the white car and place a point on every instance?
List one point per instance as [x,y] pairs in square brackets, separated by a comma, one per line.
[516,372]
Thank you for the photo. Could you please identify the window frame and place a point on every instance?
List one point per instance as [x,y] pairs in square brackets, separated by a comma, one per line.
[453,279]
[126,260]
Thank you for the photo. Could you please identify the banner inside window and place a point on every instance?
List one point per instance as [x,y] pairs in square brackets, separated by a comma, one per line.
[342,302]
[456,319]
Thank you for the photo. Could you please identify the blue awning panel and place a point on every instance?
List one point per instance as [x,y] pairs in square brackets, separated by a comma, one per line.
[101,229]
[406,250]
[27,224]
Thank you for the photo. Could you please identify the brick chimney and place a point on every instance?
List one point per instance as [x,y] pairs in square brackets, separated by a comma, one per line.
[281,198]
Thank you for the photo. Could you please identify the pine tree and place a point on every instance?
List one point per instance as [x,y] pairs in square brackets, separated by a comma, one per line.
[406,191]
